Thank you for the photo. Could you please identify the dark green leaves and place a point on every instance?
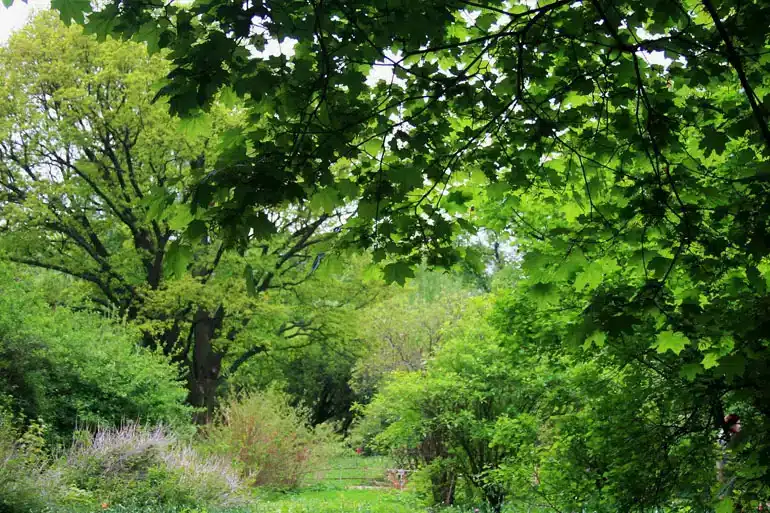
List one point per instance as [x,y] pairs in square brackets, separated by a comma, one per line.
[714,141]
[178,258]
[398,272]
[70,10]
[248,274]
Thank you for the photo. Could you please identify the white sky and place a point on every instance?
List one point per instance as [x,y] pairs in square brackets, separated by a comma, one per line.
[14,17]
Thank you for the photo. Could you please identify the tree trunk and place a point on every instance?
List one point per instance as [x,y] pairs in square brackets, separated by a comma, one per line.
[206,365]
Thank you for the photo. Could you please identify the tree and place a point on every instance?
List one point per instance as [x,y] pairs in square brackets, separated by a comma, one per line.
[93,177]
[469,412]
[404,329]
[314,366]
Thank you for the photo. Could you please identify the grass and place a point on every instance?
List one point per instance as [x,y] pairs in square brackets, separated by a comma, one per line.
[350,484]
[350,471]
[371,500]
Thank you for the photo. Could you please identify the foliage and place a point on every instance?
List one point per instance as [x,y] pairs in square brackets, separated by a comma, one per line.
[445,418]
[94,183]
[77,368]
[270,441]
[313,353]
[22,466]
[133,465]
[622,147]
[406,326]
[129,467]
[504,412]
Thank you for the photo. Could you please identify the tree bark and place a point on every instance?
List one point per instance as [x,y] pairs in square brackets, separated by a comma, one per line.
[206,364]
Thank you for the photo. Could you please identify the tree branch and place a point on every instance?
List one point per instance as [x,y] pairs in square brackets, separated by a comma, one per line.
[735,61]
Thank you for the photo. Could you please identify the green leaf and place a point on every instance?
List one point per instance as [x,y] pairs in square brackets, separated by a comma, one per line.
[408,177]
[7,3]
[659,266]
[690,371]
[195,230]
[263,227]
[70,10]
[597,338]
[102,23]
[756,280]
[196,126]
[590,278]
[671,341]
[178,257]
[248,274]
[398,272]
[732,365]
[486,20]
[726,505]
[149,33]
[325,200]
[180,218]
[714,141]
[710,360]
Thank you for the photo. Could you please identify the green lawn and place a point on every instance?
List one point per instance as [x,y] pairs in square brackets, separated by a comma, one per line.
[369,500]
[351,484]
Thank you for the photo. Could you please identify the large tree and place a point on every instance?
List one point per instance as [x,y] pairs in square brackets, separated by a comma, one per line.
[93,181]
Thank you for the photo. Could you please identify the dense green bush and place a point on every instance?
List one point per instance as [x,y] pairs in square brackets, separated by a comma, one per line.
[443,420]
[270,441]
[499,415]
[69,368]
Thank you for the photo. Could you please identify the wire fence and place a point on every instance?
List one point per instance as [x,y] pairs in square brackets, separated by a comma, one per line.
[360,472]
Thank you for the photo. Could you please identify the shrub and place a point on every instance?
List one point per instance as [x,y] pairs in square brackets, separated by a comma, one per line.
[133,465]
[72,368]
[270,441]
[25,484]
[130,467]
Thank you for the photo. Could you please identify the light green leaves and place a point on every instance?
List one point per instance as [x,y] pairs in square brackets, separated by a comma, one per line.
[597,338]
[324,201]
[179,217]
[196,126]
[594,273]
[590,278]
[726,505]
[710,360]
[671,341]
